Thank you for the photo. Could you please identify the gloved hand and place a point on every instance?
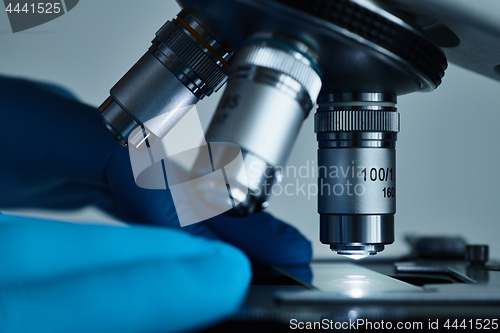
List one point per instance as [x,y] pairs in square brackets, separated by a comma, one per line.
[60,277]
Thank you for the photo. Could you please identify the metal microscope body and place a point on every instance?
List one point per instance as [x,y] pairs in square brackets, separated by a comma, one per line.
[351,57]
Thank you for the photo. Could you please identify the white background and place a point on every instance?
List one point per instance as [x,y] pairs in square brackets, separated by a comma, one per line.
[448,157]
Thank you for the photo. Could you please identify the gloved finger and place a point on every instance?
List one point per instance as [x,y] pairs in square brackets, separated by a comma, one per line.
[52,145]
[73,146]
[59,277]
[263,238]
[75,161]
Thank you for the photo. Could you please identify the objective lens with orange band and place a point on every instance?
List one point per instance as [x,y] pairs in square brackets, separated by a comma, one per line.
[184,61]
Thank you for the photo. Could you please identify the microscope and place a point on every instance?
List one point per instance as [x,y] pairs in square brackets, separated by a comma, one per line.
[280,58]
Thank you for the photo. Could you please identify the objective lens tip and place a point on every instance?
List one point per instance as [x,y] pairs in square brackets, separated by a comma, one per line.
[357,251]
[355,255]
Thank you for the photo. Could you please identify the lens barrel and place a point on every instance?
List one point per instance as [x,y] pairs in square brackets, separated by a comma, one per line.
[183,65]
[273,84]
[357,135]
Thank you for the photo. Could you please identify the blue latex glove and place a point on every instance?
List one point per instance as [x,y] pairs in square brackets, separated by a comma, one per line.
[60,277]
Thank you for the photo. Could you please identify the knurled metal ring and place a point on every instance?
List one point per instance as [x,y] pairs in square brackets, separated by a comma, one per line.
[356,121]
[192,57]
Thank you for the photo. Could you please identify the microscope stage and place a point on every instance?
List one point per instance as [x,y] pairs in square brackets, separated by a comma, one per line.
[373,291]
[354,284]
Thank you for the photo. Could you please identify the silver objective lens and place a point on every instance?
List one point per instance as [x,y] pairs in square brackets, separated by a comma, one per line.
[183,65]
[273,84]
[357,135]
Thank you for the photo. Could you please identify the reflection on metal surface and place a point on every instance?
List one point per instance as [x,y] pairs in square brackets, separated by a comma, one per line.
[349,284]
[356,255]
[355,281]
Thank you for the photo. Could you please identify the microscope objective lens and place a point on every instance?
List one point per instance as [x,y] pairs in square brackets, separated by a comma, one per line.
[280,58]
[357,131]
